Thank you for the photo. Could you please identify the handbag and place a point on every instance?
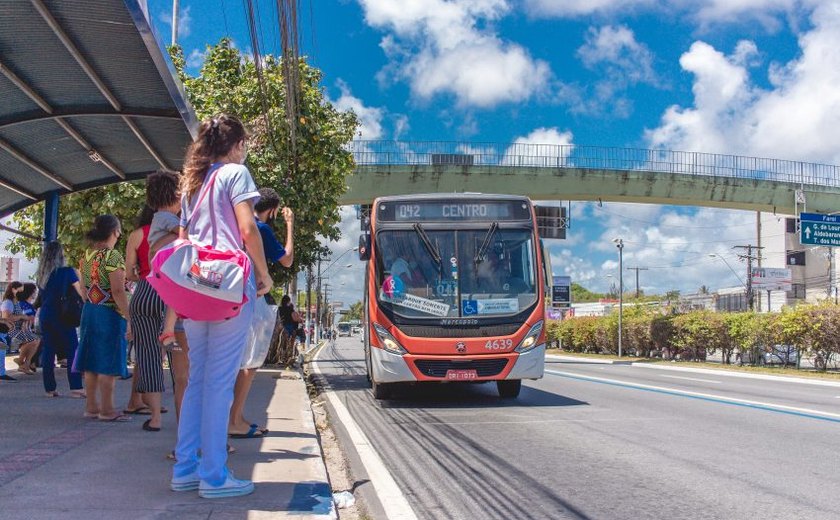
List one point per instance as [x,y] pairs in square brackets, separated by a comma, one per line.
[198,281]
[70,306]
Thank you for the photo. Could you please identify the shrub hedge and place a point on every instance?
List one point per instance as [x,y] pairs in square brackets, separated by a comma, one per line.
[813,330]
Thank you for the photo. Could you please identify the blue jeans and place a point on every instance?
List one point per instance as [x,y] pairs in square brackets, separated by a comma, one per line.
[55,337]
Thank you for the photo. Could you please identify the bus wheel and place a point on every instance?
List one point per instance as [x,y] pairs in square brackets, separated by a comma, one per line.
[509,388]
[380,390]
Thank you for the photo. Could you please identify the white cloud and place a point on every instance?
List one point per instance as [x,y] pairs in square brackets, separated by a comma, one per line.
[450,47]
[196,59]
[370,118]
[622,61]
[616,48]
[705,12]
[184,22]
[796,118]
[671,242]
[577,8]
[542,147]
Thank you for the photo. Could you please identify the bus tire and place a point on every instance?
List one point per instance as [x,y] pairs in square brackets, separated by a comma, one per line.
[509,388]
[380,390]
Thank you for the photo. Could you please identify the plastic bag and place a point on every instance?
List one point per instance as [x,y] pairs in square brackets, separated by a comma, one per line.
[259,335]
[344,499]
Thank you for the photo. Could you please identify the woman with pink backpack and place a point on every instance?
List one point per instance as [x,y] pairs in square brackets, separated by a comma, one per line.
[194,275]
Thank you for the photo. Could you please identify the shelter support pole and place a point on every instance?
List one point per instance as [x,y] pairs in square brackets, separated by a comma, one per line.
[51,205]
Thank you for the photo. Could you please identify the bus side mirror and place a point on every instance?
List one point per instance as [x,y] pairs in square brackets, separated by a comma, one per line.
[364,247]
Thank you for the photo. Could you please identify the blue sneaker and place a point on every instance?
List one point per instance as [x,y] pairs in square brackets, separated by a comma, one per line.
[188,483]
[232,487]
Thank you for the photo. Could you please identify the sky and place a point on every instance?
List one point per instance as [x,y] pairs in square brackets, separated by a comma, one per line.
[746,77]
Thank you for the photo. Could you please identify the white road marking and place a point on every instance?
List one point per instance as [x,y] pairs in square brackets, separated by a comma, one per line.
[692,379]
[390,495]
[721,398]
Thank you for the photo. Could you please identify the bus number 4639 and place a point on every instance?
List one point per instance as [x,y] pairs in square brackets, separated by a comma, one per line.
[498,344]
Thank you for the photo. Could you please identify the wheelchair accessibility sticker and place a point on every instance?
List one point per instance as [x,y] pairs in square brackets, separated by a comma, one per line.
[469,307]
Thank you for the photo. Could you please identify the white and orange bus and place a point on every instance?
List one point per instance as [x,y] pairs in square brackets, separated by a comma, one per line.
[455,290]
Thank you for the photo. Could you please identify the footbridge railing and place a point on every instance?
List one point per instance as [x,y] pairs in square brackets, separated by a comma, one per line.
[526,155]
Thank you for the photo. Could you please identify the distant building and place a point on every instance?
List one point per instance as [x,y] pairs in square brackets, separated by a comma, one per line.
[813,268]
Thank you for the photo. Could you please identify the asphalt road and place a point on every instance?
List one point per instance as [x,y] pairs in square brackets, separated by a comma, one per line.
[602,442]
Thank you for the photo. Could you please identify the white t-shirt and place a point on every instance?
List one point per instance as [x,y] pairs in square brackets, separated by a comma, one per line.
[214,223]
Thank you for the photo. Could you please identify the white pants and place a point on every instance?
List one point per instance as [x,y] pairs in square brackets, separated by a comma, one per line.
[215,352]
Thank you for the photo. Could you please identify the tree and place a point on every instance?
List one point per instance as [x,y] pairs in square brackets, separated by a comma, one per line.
[582,294]
[356,312]
[309,181]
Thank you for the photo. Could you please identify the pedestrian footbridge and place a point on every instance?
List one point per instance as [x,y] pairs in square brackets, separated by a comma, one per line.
[592,173]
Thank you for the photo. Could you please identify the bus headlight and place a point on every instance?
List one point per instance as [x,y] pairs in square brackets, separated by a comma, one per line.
[388,341]
[531,338]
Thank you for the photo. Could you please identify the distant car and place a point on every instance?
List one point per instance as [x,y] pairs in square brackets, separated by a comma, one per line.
[780,355]
[356,329]
[344,329]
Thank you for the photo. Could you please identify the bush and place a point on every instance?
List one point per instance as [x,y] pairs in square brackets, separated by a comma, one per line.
[812,329]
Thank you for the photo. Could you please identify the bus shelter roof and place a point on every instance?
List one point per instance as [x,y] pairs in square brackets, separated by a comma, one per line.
[87,97]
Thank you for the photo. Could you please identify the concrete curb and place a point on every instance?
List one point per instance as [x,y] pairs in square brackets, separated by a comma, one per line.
[707,371]
[587,360]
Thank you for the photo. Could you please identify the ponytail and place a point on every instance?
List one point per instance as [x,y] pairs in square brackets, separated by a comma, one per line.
[216,138]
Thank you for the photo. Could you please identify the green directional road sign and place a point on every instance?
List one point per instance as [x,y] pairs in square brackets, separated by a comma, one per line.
[819,230]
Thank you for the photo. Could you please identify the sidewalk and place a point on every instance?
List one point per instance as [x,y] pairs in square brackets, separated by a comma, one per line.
[56,464]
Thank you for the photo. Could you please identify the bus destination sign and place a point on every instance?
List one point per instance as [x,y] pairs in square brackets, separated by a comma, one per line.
[453,210]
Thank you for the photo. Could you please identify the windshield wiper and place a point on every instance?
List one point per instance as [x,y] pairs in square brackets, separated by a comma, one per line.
[429,246]
[485,245]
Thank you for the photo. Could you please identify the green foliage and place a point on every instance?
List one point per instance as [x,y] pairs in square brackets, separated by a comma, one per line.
[581,294]
[356,312]
[310,181]
[814,330]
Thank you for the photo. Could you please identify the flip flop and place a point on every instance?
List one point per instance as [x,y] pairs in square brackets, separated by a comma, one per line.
[149,428]
[117,418]
[138,411]
[78,394]
[257,426]
[91,415]
[253,433]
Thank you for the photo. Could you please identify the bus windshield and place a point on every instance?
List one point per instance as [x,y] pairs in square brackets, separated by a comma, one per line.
[478,273]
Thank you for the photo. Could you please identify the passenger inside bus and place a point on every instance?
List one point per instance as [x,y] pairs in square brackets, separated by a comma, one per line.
[493,274]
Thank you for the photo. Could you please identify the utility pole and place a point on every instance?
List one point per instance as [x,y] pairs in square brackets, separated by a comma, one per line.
[308,307]
[318,303]
[749,258]
[175,7]
[637,269]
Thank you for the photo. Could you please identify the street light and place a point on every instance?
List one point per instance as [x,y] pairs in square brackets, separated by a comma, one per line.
[619,243]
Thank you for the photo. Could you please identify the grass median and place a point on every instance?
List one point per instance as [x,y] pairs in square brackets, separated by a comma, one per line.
[771,370]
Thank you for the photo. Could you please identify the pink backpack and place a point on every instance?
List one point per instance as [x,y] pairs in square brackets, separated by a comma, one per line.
[198,281]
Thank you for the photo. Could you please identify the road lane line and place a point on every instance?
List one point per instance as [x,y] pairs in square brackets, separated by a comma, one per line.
[692,379]
[770,407]
[390,495]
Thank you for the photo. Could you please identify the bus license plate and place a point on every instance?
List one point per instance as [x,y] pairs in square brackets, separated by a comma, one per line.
[461,375]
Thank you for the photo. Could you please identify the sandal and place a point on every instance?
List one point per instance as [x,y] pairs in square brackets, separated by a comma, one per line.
[91,415]
[143,410]
[53,394]
[253,433]
[78,394]
[117,418]
[147,426]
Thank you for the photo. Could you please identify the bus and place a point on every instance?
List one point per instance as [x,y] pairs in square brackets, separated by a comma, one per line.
[455,290]
[343,329]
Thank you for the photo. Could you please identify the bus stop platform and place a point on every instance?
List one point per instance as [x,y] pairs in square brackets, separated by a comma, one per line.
[56,464]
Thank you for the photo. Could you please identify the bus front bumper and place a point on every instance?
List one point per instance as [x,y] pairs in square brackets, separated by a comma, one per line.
[392,368]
